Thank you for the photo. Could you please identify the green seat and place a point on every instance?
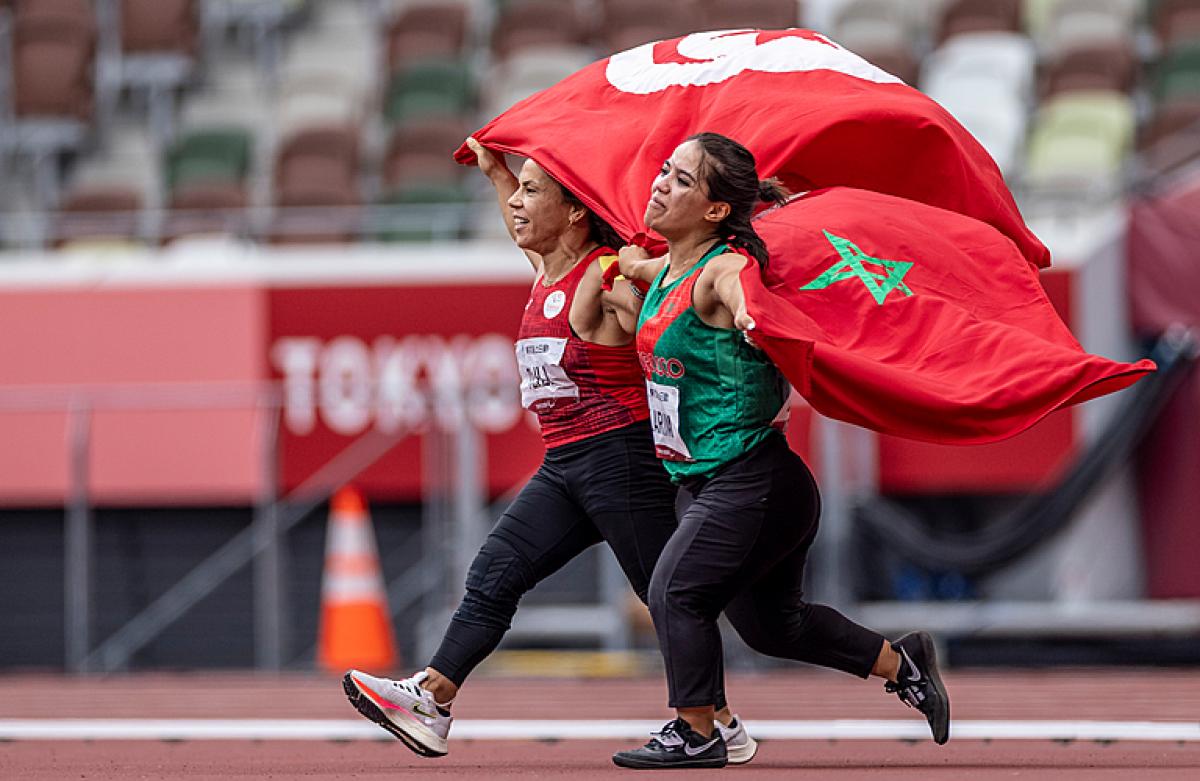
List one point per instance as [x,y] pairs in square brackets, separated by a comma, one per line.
[1036,15]
[1080,139]
[422,220]
[1178,75]
[429,88]
[209,155]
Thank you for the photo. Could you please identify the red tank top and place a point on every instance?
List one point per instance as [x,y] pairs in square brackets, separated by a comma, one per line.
[576,388]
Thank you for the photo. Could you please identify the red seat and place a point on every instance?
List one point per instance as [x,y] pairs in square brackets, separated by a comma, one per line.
[532,23]
[762,14]
[206,208]
[53,56]
[974,16]
[91,213]
[626,24]
[425,31]
[326,155]
[160,26]
[81,9]
[896,60]
[1177,21]
[316,183]
[423,151]
[1098,67]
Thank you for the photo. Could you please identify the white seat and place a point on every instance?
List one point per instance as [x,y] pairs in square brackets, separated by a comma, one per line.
[320,101]
[1074,24]
[129,159]
[526,72]
[997,122]
[1004,59]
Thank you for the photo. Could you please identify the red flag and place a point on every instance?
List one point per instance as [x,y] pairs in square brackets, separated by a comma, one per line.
[914,321]
[813,113]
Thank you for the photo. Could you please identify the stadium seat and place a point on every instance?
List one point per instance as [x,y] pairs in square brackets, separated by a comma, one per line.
[426,30]
[97,213]
[533,24]
[317,159]
[764,14]
[896,60]
[527,72]
[160,26]
[422,150]
[872,25]
[627,26]
[1177,77]
[996,62]
[318,101]
[1171,137]
[53,64]
[341,54]
[206,209]
[429,88]
[82,9]
[997,119]
[422,212]
[233,96]
[213,155]
[1079,141]
[128,160]
[1176,22]
[1088,23]
[973,16]
[1100,66]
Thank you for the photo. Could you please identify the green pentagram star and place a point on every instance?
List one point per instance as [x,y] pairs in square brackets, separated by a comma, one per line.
[851,267]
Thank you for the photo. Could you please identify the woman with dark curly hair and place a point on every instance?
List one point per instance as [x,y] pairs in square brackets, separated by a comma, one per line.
[714,398]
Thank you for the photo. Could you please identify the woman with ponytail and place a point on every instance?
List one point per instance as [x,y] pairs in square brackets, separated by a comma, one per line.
[715,401]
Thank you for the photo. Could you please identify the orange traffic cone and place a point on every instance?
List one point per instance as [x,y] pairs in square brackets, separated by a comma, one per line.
[356,626]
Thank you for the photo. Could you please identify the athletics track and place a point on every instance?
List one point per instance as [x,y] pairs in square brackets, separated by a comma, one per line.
[1105,724]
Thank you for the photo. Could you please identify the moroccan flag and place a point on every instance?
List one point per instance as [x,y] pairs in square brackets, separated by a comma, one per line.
[914,321]
[813,113]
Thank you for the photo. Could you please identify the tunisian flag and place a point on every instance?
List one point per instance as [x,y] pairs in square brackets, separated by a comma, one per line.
[813,114]
[914,321]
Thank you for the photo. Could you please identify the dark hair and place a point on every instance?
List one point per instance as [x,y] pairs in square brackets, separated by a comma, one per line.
[729,173]
[599,231]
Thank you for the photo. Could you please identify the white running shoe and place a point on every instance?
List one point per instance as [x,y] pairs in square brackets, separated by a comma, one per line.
[738,743]
[402,708]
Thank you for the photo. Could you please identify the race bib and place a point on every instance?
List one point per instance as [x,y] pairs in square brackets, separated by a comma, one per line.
[664,422]
[544,382]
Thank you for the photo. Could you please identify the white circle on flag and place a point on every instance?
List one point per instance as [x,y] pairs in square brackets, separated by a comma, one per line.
[554,304]
[723,54]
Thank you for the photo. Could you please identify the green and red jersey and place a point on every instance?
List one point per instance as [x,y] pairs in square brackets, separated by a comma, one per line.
[712,396]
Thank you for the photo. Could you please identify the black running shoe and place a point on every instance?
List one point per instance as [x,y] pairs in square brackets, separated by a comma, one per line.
[918,684]
[675,746]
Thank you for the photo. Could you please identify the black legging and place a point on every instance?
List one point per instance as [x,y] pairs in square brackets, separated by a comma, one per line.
[740,548]
[610,488]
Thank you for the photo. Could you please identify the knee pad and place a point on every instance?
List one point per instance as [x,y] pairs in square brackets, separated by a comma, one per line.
[497,578]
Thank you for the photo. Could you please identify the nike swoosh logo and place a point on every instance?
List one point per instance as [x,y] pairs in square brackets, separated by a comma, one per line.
[914,674]
[417,709]
[691,752]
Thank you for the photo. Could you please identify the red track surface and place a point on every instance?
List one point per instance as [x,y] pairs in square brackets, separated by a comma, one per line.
[1103,695]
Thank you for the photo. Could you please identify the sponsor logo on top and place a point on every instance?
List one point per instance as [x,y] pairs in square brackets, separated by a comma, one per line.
[554,304]
[656,365]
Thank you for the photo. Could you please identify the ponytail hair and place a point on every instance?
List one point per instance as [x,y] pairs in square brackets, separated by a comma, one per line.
[729,173]
[599,231]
